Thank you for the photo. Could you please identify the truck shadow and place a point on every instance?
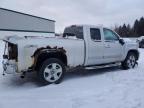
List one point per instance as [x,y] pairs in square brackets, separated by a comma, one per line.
[15,82]
[88,73]
[30,81]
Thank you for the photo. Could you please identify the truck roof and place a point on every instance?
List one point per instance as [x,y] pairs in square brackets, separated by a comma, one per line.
[87,25]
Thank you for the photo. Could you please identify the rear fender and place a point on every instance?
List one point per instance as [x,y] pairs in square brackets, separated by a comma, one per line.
[42,54]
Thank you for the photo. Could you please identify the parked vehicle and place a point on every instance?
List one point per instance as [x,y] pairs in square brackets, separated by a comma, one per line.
[141,41]
[140,38]
[84,46]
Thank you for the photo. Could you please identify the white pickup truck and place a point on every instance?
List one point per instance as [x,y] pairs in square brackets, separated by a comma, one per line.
[83,46]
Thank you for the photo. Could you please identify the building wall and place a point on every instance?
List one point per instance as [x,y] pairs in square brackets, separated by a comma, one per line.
[16,21]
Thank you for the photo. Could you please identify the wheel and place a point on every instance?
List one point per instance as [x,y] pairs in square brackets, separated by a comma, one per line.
[51,71]
[130,61]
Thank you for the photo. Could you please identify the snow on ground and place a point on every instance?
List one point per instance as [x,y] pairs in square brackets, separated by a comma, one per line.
[103,88]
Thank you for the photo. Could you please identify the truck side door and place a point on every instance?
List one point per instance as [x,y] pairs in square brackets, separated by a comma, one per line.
[112,47]
[94,47]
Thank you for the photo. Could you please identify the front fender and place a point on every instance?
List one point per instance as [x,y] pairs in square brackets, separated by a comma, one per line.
[131,48]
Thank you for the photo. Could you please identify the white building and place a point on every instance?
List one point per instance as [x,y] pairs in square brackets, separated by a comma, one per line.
[21,24]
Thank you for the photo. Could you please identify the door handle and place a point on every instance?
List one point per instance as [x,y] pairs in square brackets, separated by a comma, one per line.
[107,46]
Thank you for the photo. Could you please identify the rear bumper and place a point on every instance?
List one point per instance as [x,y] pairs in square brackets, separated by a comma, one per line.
[9,66]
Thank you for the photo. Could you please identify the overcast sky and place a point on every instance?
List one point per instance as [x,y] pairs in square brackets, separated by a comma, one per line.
[67,12]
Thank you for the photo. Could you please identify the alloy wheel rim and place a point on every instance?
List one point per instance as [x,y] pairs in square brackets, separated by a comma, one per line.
[52,72]
[131,61]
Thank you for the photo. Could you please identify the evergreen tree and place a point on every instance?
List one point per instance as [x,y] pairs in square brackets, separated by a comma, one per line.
[135,31]
[141,27]
[135,27]
[124,31]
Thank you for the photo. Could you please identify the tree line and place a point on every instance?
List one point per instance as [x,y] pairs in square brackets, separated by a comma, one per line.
[136,30]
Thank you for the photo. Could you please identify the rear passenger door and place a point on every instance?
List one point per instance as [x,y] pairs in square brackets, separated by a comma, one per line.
[95,47]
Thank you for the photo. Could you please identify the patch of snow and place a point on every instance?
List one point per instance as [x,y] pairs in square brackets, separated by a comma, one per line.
[102,88]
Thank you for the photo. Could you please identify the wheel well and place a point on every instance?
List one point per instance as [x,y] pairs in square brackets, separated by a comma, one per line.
[135,52]
[43,56]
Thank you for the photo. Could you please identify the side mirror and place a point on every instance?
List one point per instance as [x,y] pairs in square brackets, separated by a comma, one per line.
[121,41]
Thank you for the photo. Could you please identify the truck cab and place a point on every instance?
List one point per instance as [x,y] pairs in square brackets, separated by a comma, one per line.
[102,45]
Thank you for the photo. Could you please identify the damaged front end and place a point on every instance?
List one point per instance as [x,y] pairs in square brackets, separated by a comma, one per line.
[10,58]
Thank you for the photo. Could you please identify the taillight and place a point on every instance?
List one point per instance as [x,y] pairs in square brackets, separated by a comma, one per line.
[12,51]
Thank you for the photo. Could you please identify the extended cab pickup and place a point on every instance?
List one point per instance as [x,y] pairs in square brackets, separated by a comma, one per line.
[80,46]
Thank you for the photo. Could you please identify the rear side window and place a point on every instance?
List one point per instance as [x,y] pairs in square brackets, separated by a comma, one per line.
[74,31]
[95,34]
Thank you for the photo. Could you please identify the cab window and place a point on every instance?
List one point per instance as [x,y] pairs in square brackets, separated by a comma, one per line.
[73,31]
[109,35]
[95,34]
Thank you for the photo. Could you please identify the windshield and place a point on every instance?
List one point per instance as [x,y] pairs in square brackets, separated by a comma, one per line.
[74,31]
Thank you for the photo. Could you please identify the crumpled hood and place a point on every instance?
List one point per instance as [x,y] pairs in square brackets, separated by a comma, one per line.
[16,39]
[12,39]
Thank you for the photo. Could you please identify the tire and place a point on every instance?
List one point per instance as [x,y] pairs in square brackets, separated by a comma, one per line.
[51,71]
[130,61]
